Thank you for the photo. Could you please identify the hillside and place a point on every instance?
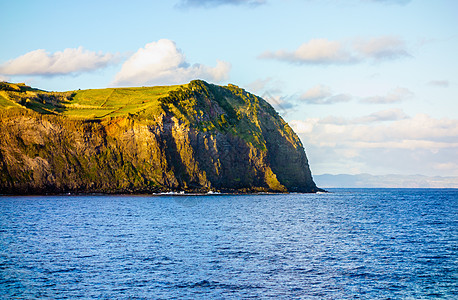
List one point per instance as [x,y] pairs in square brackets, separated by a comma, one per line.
[197,137]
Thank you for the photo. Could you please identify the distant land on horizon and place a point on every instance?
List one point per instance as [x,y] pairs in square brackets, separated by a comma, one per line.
[384,181]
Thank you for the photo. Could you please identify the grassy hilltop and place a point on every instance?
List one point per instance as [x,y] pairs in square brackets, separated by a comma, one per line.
[192,137]
[84,104]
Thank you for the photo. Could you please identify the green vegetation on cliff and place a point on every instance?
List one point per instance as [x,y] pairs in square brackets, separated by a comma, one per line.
[195,137]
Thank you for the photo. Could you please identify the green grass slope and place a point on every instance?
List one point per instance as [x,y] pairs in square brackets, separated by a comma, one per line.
[84,104]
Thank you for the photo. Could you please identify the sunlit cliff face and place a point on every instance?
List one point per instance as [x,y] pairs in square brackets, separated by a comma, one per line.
[195,138]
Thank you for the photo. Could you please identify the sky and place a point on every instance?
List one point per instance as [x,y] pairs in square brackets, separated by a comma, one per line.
[370,86]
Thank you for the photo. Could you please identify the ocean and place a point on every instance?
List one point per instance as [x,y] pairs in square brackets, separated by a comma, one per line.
[347,244]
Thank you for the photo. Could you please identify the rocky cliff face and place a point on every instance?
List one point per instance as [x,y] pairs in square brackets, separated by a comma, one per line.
[196,138]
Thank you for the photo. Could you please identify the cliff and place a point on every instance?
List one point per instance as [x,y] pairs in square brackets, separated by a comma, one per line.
[196,137]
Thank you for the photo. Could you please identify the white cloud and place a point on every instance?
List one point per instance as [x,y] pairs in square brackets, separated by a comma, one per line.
[385,141]
[162,62]
[266,85]
[382,116]
[317,51]
[396,95]
[321,94]
[448,166]
[339,98]
[326,52]
[439,83]
[382,48]
[389,127]
[69,61]
[306,126]
[324,95]
[393,114]
[317,92]
[282,104]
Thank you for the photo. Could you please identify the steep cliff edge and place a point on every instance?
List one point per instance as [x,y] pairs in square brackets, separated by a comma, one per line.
[197,137]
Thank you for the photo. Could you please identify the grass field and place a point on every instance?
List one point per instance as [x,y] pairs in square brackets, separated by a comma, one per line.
[85,104]
[115,102]
[5,102]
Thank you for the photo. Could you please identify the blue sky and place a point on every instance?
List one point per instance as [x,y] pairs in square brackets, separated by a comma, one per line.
[369,85]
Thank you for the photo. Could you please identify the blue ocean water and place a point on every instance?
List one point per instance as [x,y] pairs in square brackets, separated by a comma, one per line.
[348,244]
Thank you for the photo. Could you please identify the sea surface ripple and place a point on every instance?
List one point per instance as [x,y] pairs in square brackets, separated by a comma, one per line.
[348,244]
